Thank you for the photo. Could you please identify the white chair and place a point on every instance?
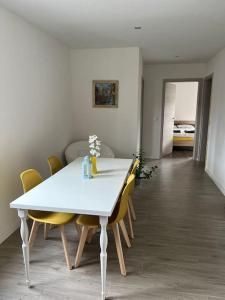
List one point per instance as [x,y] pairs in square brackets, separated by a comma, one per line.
[81,148]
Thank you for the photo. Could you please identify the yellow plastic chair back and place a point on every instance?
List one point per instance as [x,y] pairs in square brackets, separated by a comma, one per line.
[136,164]
[54,164]
[30,178]
[123,203]
[131,184]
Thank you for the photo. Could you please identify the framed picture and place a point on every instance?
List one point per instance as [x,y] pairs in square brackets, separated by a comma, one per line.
[105,93]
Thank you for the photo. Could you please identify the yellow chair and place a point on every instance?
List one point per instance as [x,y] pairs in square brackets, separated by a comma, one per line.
[31,178]
[133,171]
[54,164]
[92,222]
[131,212]
[135,165]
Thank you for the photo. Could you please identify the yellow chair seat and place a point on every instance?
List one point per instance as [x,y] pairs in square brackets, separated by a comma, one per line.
[86,220]
[50,217]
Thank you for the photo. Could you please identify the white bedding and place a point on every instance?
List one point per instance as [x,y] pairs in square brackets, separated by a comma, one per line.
[186,127]
[183,128]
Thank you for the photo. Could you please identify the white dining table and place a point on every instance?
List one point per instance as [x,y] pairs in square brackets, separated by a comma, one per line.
[68,191]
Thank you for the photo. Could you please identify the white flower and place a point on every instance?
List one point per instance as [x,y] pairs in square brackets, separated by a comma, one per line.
[94,145]
[91,139]
[93,152]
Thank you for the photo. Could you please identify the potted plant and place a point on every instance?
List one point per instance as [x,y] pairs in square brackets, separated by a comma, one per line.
[142,171]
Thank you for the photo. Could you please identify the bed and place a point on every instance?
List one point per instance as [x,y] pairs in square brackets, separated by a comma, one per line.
[183,134]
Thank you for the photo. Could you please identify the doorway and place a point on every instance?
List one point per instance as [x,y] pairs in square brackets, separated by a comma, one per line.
[180,99]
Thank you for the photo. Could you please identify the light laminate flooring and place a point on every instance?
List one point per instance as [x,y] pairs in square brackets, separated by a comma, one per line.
[178,252]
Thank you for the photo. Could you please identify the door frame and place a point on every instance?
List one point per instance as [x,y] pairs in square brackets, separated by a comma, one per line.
[199,97]
[203,104]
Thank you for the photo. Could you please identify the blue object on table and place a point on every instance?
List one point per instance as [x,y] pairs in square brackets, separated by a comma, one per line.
[86,167]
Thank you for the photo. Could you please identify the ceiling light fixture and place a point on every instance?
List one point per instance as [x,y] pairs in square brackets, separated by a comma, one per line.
[137,27]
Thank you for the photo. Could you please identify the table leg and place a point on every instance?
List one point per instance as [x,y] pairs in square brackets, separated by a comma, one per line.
[103,255]
[25,246]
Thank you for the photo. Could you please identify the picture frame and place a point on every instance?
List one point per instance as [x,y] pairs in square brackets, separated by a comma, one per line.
[105,93]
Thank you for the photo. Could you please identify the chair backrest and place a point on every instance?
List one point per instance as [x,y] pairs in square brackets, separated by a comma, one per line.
[132,184]
[81,148]
[123,203]
[30,178]
[135,165]
[54,164]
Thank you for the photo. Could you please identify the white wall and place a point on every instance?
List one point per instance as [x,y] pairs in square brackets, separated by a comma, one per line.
[154,76]
[35,101]
[215,159]
[116,127]
[186,100]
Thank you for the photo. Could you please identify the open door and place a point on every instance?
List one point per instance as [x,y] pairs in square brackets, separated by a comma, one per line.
[203,117]
[169,116]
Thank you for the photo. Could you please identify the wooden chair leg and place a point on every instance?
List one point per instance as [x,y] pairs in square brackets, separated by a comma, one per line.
[51,226]
[131,231]
[125,234]
[91,233]
[33,234]
[133,214]
[65,247]
[119,249]
[46,228]
[78,229]
[80,248]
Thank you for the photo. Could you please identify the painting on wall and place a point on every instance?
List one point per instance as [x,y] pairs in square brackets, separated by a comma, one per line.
[105,93]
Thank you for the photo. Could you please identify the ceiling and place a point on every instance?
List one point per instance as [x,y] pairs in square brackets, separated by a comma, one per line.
[172,30]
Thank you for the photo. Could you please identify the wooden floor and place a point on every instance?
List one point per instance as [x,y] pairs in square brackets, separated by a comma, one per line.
[178,252]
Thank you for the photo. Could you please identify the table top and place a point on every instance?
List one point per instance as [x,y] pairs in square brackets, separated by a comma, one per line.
[67,191]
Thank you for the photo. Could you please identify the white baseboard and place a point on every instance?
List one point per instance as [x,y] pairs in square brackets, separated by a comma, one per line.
[6,234]
[215,180]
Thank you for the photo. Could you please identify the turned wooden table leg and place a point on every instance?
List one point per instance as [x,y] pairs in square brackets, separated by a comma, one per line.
[103,255]
[25,246]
